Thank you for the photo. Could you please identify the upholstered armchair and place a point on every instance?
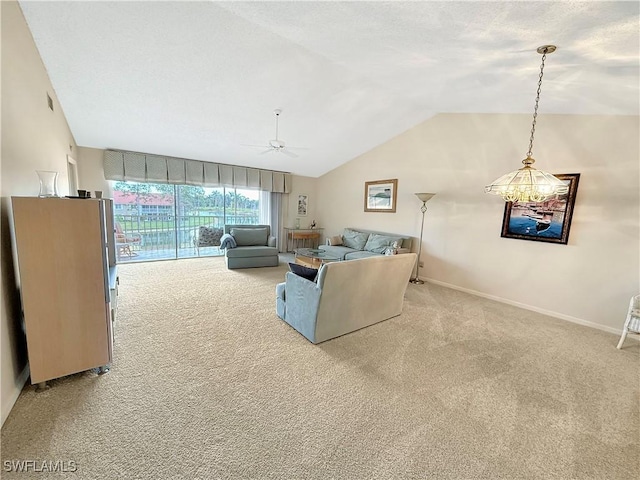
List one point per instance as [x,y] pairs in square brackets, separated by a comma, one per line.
[255,247]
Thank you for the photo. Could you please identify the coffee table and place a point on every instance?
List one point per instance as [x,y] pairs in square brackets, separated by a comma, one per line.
[314,257]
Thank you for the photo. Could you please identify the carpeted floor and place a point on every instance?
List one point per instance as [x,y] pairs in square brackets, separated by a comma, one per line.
[208,383]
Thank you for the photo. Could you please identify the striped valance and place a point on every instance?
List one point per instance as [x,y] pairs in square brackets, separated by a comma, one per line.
[140,167]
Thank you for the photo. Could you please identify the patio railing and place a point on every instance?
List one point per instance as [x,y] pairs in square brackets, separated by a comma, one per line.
[167,236]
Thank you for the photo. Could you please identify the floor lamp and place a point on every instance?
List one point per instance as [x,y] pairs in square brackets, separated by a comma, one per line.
[424,197]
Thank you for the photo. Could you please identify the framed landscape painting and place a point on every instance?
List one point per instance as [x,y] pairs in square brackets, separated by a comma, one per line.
[380,196]
[547,221]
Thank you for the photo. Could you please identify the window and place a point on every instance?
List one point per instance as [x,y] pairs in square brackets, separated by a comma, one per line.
[168,217]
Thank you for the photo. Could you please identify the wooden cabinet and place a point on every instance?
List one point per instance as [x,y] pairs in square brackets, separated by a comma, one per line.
[68,283]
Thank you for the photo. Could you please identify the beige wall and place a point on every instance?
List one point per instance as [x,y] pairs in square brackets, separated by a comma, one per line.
[91,171]
[33,138]
[590,280]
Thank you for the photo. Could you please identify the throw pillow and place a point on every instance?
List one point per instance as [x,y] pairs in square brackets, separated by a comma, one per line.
[335,240]
[379,243]
[353,239]
[250,236]
[304,272]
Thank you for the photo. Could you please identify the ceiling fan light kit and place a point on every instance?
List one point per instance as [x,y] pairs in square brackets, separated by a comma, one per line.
[276,145]
[528,184]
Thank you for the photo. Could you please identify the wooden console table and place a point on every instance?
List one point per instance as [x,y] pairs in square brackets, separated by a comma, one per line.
[310,237]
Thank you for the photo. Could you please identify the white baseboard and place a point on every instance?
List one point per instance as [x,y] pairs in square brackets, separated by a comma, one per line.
[20,381]
[561,316]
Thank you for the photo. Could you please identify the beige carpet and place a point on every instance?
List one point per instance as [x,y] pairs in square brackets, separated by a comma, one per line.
[208,383]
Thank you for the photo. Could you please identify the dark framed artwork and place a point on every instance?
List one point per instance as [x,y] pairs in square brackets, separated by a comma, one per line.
[380,196]
[547,221]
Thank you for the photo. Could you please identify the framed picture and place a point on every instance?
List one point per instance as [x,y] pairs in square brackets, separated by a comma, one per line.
[303,201]
[547,221]
[380,196]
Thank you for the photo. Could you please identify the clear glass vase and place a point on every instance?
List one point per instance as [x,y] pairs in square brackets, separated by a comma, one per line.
[48,183]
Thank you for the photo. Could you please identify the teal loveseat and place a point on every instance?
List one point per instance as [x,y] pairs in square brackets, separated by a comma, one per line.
[255,247]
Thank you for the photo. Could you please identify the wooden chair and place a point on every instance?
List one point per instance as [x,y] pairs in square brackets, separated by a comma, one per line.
[125,241]
[632,323]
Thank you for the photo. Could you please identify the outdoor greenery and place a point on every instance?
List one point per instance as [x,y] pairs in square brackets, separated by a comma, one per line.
[164,214]
[189,197]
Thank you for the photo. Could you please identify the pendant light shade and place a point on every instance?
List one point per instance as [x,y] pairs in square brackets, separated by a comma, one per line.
[528,184]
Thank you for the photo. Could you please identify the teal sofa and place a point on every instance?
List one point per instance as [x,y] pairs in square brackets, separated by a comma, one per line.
[255,247]
[357,243]
[346,296]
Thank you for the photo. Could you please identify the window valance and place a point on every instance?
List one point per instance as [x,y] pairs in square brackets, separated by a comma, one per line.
[140,167]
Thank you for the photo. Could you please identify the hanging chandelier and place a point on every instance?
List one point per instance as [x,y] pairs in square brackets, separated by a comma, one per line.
[528,184]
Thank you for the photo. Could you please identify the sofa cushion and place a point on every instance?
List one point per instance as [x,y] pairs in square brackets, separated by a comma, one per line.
[379,243]
[353,239]
[304,272]
[252,251]
[337,251]
[355,254]
[250,236]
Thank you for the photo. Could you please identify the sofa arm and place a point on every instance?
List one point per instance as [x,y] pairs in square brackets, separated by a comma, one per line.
[302,300]
[271,241]
[281,306]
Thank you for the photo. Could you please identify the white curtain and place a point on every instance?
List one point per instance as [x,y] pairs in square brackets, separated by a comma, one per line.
[264,217]
[276,219]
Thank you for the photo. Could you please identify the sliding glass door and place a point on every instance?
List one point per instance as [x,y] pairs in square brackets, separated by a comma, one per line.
[167,219]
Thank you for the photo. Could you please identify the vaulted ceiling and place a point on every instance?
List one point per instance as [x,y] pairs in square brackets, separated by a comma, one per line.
[200,80]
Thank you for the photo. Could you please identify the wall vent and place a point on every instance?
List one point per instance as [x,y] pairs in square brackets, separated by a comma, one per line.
[49,102]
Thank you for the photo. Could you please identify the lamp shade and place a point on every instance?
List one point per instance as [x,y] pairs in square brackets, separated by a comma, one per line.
[425,197]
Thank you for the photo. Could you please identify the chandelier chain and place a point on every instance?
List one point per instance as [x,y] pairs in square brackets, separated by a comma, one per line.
[535,110]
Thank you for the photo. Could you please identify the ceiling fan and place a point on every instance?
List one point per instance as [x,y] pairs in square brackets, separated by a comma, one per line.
[276,145]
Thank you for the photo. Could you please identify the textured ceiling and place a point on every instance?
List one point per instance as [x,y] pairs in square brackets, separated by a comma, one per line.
[201,79]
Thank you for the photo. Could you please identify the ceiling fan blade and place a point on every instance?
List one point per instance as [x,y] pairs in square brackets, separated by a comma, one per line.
[267,151]
[289,153]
